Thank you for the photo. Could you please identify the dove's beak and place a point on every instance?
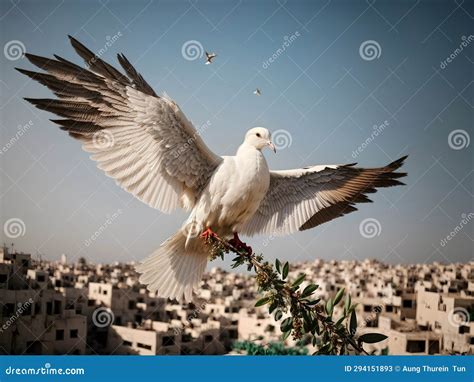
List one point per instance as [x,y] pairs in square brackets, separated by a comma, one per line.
[272,146]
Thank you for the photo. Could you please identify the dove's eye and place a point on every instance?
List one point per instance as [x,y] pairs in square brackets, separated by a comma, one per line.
[258,135]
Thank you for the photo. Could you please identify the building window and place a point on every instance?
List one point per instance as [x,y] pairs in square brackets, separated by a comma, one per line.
[73,333]
[407,303]
[33,347]
[3,279]
[143,346]
[168,341]
[57,307]
[433,347]
[59,334]
[416,346]
[8,309]
[26,310]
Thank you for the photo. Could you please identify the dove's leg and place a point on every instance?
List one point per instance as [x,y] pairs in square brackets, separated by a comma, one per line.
[208,234]
[239,244]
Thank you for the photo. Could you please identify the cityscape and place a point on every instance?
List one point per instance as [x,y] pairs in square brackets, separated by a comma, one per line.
[89,309]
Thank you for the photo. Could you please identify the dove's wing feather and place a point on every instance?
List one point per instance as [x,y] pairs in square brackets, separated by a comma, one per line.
[304,198]
[141,140]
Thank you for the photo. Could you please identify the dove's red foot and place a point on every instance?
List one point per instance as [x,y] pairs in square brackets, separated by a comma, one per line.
[239,244]
[208,234]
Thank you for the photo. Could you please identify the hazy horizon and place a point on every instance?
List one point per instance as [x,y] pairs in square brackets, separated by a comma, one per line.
[323,89]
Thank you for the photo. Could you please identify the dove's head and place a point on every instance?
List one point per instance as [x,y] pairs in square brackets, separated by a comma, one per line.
[259,137]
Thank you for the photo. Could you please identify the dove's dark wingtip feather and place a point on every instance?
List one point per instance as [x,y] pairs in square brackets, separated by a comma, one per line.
[31,100]
[26,72]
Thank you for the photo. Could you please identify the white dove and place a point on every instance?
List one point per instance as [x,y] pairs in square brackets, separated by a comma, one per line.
[153,151]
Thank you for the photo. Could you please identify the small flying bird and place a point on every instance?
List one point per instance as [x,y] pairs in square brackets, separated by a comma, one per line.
[156,154]
[210,57]
[257,92]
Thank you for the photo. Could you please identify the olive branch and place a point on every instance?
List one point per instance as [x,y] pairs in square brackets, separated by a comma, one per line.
[297,310]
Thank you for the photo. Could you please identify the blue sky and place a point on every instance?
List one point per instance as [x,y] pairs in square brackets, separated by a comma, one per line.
[321,90]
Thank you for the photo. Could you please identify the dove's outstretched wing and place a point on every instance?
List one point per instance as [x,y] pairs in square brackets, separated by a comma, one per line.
[301,199]
[141,140]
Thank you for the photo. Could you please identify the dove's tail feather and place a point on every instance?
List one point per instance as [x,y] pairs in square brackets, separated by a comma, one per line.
[174,270]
